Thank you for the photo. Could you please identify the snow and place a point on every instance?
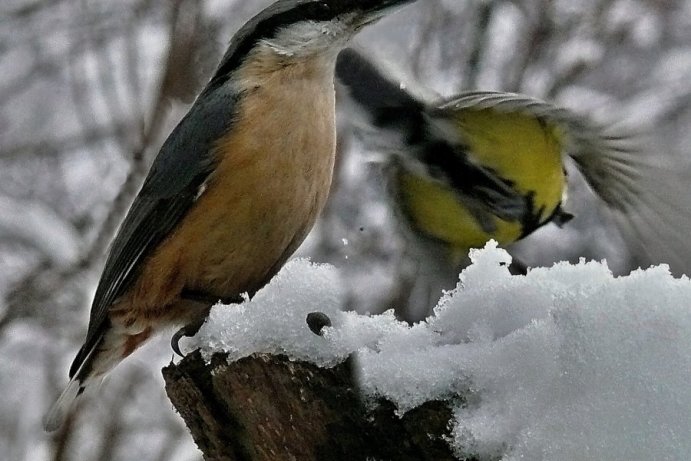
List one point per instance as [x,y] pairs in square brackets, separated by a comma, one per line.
[274,321]
[566,363]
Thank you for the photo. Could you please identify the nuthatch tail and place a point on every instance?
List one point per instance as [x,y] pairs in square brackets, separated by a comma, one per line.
[486,165]
[235,188]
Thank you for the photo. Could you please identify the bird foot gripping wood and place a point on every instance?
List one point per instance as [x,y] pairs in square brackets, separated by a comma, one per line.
[185,332]
[192,328]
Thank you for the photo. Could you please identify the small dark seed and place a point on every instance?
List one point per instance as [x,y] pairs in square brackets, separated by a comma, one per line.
[317,321]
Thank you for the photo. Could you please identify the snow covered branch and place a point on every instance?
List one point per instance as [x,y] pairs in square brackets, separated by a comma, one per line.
[563,363]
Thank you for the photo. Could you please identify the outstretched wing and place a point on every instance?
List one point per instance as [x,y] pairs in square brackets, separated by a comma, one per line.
[610,164]
[169,191]
[379,96]
[648,203]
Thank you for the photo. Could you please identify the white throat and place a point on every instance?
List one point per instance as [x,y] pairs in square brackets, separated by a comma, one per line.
[311,37]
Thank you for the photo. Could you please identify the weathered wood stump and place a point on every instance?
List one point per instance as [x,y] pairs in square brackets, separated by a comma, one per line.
[268,408]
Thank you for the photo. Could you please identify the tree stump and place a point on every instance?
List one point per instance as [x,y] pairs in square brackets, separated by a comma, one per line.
[269,408]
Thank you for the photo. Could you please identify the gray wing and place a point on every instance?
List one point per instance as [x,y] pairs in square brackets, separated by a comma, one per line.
[169,191]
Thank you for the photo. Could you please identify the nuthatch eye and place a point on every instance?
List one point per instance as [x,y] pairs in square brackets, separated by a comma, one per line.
[234,190]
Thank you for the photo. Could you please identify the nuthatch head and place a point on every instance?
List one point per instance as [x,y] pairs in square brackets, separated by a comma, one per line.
[235,188]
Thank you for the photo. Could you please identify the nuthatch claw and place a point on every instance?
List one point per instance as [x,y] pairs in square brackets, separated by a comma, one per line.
[213,216]
[185,332]
[192,329]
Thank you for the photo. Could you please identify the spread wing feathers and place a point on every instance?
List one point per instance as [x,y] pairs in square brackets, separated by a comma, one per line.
[385,114]
[648,203]
[379,94]
[658,226]
[610,164]
[182,166]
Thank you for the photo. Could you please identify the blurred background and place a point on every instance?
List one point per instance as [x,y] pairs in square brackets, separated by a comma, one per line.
[90,88]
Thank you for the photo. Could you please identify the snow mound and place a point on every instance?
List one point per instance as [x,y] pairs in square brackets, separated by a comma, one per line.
[274,321]
[565,363]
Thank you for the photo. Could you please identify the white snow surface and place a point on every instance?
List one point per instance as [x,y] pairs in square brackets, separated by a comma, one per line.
[566,363]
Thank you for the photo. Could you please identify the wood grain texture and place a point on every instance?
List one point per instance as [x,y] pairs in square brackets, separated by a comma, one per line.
[267,408]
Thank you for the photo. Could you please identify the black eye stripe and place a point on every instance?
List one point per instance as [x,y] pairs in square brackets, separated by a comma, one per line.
[265,26]
[283,13]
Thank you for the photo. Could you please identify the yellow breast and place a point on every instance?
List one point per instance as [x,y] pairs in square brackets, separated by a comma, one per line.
[436,211]
[518,148]
[521,149]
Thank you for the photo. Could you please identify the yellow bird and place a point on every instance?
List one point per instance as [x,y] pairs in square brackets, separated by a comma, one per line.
[484,165]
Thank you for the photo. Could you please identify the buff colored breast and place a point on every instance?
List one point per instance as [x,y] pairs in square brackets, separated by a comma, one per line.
[272,180]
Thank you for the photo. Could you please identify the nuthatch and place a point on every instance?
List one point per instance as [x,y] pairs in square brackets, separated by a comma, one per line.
[486,165]
[234,190]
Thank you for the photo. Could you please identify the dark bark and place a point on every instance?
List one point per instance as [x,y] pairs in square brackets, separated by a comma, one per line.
[270,408]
